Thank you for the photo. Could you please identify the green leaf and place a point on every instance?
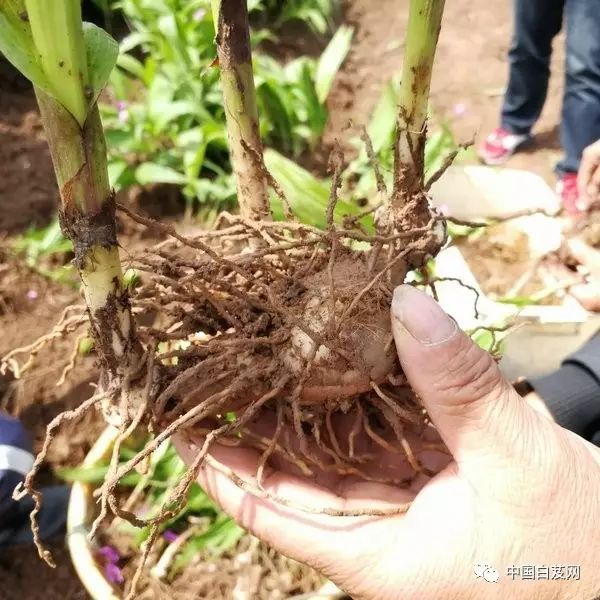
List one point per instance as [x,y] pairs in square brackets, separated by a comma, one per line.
[160,453]
[460,231]
[131,41]
[86,345]
[16,43]
[307,196]
[57,34]
[383,122]
[331,60]
[117,138]
[317,112]
[153,173]
[198,500]
[93,474]
[44,241]
[439,145]
[116,168]
[165,112]
[101,53]
[484,339]
[220,537]
[273,108]
[131,65]
[54,241]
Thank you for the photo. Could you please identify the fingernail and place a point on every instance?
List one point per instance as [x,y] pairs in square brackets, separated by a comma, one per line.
[422,316]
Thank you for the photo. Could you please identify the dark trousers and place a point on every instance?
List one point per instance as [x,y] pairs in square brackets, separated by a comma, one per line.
[536,24]
[15,526]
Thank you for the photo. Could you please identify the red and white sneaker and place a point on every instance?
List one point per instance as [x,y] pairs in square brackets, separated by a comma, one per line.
[500,145]
[568,190]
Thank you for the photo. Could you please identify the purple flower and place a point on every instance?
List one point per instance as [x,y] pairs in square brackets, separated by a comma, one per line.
[32,294]
[122,112]
[170,535]
[111,557]
[109,553]
[199,14]
[113,573]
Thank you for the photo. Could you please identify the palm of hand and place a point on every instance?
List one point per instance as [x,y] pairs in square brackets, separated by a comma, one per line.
[520,490]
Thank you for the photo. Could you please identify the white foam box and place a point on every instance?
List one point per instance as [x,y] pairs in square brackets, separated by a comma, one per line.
[543,335]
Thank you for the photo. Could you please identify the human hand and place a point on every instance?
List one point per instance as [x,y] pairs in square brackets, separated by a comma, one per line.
[588,293]
[588,177]
[520,490]
[537,403]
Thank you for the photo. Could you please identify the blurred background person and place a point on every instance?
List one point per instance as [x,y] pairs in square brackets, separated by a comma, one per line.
[16,459]
[588,180]
[536,24]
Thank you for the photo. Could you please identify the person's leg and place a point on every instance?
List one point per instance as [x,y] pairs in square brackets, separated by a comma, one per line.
[580,125]
[536,23]
[15,527]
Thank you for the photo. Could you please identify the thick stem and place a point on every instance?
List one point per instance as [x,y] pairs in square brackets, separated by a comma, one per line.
[78,150]
[88,219]
[58,37]
[239,98]
[424,23]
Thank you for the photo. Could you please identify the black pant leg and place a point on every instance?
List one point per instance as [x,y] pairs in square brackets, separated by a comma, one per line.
[536,23]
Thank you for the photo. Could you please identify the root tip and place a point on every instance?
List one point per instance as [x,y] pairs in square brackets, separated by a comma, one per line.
[47,557]
[19,492]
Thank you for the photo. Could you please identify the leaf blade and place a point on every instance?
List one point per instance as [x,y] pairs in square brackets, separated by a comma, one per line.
[102,52]
[154,173]
[331,60]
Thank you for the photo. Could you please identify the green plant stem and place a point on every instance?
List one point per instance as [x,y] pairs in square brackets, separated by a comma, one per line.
[76,140]
[424,23]
[58,37]
[78,149]
[239,97]
[87,218]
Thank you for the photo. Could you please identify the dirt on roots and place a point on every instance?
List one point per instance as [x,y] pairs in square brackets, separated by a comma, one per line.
[293,329]
[277,336]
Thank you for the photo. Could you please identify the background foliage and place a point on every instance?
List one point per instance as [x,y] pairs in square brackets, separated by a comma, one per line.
[165,122]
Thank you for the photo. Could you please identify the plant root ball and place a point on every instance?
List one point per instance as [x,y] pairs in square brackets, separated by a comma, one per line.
[295,325]
[329,338]
[345,354]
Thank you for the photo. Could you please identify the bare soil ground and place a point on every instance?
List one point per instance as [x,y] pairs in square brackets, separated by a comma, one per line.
[468,81]
[28,192]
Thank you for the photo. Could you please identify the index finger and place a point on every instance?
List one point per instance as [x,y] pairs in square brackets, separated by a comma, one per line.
[266,518]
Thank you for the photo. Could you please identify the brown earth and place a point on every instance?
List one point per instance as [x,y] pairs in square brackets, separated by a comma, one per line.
[468,79]
[502,264]
[28,192]
[467,86]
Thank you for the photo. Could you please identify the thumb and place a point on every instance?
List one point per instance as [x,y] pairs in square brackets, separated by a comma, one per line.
[476,411]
